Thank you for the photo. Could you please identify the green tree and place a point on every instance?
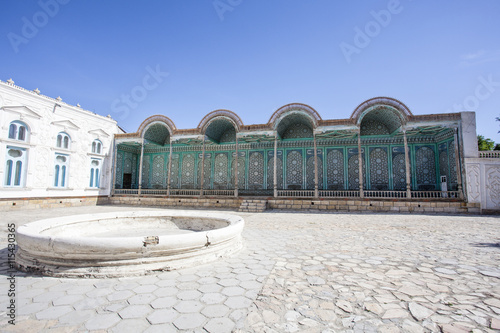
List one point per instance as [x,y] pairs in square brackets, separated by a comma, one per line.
[484,144]
[497,146]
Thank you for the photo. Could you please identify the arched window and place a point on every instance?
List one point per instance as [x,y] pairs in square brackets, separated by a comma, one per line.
[61,170]
[95,172]
[63,140]
[96,146]
[15,168]
[18,131]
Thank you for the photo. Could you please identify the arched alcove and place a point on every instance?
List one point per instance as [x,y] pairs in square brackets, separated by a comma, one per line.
[295,121]
[220,126]
[380,116]
[157,130]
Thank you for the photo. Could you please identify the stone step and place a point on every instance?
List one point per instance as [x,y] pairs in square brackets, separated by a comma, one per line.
[253,205]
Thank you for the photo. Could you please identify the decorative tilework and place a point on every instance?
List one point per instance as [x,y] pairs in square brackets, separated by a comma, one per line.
[381,115]
[425,168]
[335,169]
[220,171]
[297,131]
[158,134]
[373,127]
[174,171]
[228,136]
[206,171]
[353,172]
[279,171]
[256,170]
[443,164]
[310,170]
[119,174]
[145,172]
[294,172]
[158,177]
[379,169]
[399,172]
[127,167]
[134,170]
[241,172]
[452,166]
[219,128]
[187,171]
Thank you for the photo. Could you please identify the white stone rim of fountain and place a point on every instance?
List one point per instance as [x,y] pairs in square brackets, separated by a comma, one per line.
[87,256]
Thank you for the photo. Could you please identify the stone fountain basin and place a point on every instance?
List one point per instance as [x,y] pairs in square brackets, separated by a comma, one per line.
[126,243]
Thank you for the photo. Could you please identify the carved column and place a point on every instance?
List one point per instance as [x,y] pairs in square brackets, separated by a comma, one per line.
[457,162]
[169,168]
[275,171]
[360,166]
[236,171]
[316,191]
[140,168]
[202,167]
[115,154]
[407,165]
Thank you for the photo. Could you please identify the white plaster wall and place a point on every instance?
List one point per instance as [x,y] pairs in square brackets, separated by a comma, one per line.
[82,126]
[483,182]
[469,135]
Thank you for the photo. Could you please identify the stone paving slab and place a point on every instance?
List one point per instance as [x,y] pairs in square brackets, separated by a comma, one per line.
[298,272]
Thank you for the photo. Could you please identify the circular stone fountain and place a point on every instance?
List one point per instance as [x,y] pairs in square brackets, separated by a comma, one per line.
[126,243]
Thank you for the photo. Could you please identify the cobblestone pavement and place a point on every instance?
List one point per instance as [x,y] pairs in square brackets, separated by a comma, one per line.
[297,273]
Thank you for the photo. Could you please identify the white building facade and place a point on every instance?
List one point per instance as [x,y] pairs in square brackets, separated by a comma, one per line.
[50,150]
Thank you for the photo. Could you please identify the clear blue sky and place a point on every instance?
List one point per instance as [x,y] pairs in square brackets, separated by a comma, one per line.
[253,56]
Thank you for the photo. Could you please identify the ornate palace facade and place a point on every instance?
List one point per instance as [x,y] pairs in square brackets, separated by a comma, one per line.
[382,150]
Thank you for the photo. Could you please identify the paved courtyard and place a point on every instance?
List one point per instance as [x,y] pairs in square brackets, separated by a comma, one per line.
[298,272]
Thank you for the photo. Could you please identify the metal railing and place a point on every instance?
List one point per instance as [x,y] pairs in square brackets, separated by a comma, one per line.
[224,193]
[150,191]
[435,194]
[384,194]
[185,193]
[338,194]
[126,191]
[300,193]
[295,193]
